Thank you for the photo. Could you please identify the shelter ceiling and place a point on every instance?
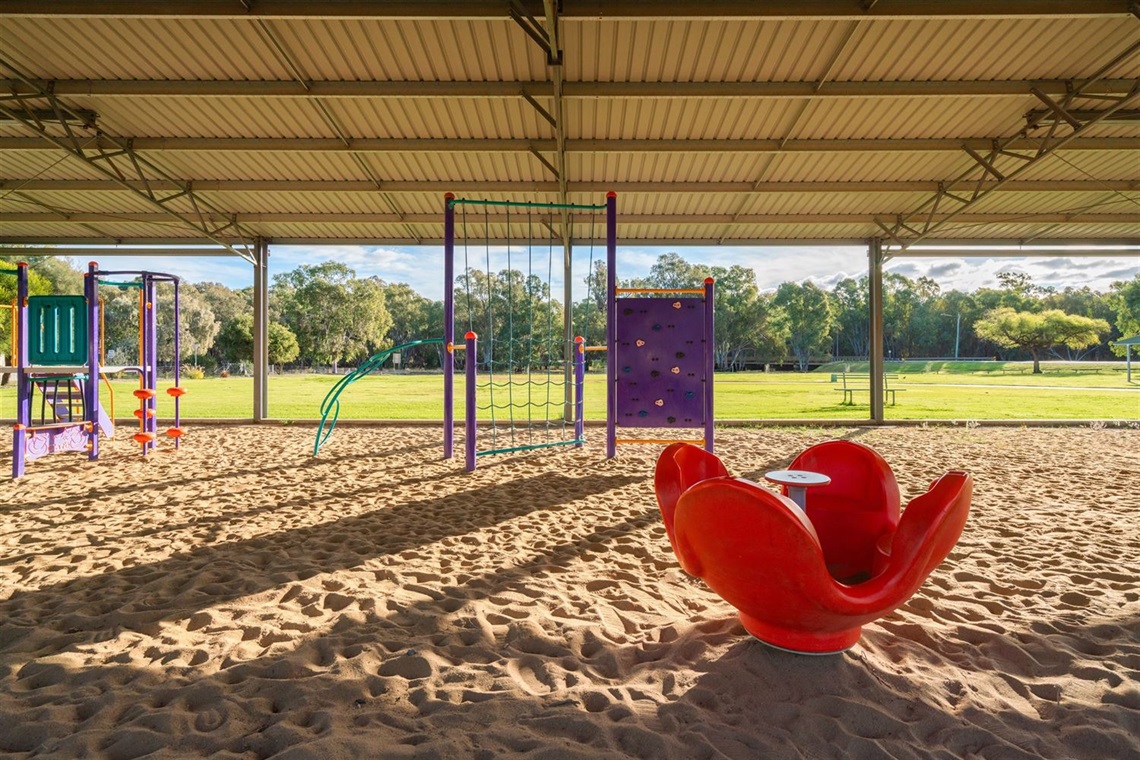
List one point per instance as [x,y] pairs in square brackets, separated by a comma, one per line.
[716,122]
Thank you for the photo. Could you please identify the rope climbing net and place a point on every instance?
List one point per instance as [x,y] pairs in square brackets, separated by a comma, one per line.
[509,266]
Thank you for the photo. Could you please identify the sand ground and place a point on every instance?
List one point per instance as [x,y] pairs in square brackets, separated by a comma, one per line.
[238,598]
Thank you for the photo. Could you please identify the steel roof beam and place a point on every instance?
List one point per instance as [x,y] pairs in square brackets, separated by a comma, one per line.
[372,89]
[1003,161]
[675,219]
[585,10]
[438,186]
[117,160]
[1011,246]
[508,145]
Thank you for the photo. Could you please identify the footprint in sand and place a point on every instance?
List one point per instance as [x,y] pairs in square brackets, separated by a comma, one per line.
[531,675]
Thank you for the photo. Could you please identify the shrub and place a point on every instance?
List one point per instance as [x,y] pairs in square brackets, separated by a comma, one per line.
[193,373]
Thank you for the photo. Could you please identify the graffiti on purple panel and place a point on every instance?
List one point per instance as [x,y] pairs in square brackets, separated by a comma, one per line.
[40,443]
[660,368]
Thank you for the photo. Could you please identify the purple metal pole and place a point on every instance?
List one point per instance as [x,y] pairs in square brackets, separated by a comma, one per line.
[23,392]
[177,364]
[91,402]
[150,346]
[710,361]
[448,326]
[611,322]
[579,390]
[469,415]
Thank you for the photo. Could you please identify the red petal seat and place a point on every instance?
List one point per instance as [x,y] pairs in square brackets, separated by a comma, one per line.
[769,560]
[852,512]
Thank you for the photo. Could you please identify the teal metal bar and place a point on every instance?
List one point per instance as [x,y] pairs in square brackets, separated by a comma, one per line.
[531,447]
[330,407]
[524,204]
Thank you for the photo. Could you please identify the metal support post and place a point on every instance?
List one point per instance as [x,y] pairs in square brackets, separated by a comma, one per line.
[611,320]
[579,390]
[177,365]
[23,392]
[448,326]
[150,362]
[260,330]
[875,281]
[469,415]
[91,389]
[710,360]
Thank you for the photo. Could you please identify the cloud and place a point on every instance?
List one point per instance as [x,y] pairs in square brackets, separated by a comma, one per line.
[911,269]
[946,269]
[422,267]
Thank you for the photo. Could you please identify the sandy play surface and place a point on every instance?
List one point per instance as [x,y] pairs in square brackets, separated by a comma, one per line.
[241,599]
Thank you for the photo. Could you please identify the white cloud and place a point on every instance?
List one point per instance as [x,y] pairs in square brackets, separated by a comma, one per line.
[422,267]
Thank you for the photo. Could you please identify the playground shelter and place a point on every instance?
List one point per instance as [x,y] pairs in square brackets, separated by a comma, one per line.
[902,127]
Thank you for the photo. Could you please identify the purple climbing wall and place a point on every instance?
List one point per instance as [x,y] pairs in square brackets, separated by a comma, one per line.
[659,374]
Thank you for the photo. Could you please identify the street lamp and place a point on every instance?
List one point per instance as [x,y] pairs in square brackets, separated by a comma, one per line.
[957,333]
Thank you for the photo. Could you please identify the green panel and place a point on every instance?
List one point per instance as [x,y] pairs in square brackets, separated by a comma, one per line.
[57,330]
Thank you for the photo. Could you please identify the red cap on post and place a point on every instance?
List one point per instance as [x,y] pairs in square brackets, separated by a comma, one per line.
[470,335]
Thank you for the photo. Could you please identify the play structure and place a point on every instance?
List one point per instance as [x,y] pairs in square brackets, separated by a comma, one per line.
[659,343]
[524,371]
[523,367]
[660,357]
[57,342]
[807,579]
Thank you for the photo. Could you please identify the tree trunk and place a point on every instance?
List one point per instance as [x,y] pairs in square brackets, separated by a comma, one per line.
[1036,363]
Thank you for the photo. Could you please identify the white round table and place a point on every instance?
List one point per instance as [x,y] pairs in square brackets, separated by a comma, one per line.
[797,482]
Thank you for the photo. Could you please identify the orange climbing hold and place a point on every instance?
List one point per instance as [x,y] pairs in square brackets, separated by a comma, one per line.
[176,392]
[143,437]
[144,393]
[139,413]
[175,432]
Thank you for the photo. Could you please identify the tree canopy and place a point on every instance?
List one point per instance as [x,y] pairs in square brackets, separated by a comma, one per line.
[325,315]
[1036,332]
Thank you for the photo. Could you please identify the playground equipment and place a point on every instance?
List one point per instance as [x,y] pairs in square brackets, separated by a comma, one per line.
[58,346]
[524,369]
[330,406]
[524,374]
[808,581]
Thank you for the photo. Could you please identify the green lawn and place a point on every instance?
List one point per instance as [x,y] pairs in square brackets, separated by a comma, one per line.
[926,390]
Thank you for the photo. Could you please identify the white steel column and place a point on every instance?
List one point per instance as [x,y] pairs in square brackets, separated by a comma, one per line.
[261,330]
[875,283]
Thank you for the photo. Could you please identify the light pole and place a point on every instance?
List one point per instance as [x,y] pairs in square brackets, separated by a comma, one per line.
[957,333]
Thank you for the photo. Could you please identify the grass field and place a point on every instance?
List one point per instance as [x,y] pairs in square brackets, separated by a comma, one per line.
[938,390]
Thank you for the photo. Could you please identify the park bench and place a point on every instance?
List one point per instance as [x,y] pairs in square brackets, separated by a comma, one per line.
[860,382]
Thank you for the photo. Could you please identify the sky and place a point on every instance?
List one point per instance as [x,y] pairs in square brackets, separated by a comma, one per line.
[422,267]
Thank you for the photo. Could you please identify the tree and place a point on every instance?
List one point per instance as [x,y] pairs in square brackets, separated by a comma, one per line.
[518,323]
[282,344]
[805,317]
[1125,300]
[235,340]
[1038,332]
[853,320]
[197,326]
[38,285]
[411,321]
[334,315]
[227,305]
[740,316]
[672,271]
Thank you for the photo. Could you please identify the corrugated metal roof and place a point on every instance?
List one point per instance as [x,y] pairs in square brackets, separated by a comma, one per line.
[522,163]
